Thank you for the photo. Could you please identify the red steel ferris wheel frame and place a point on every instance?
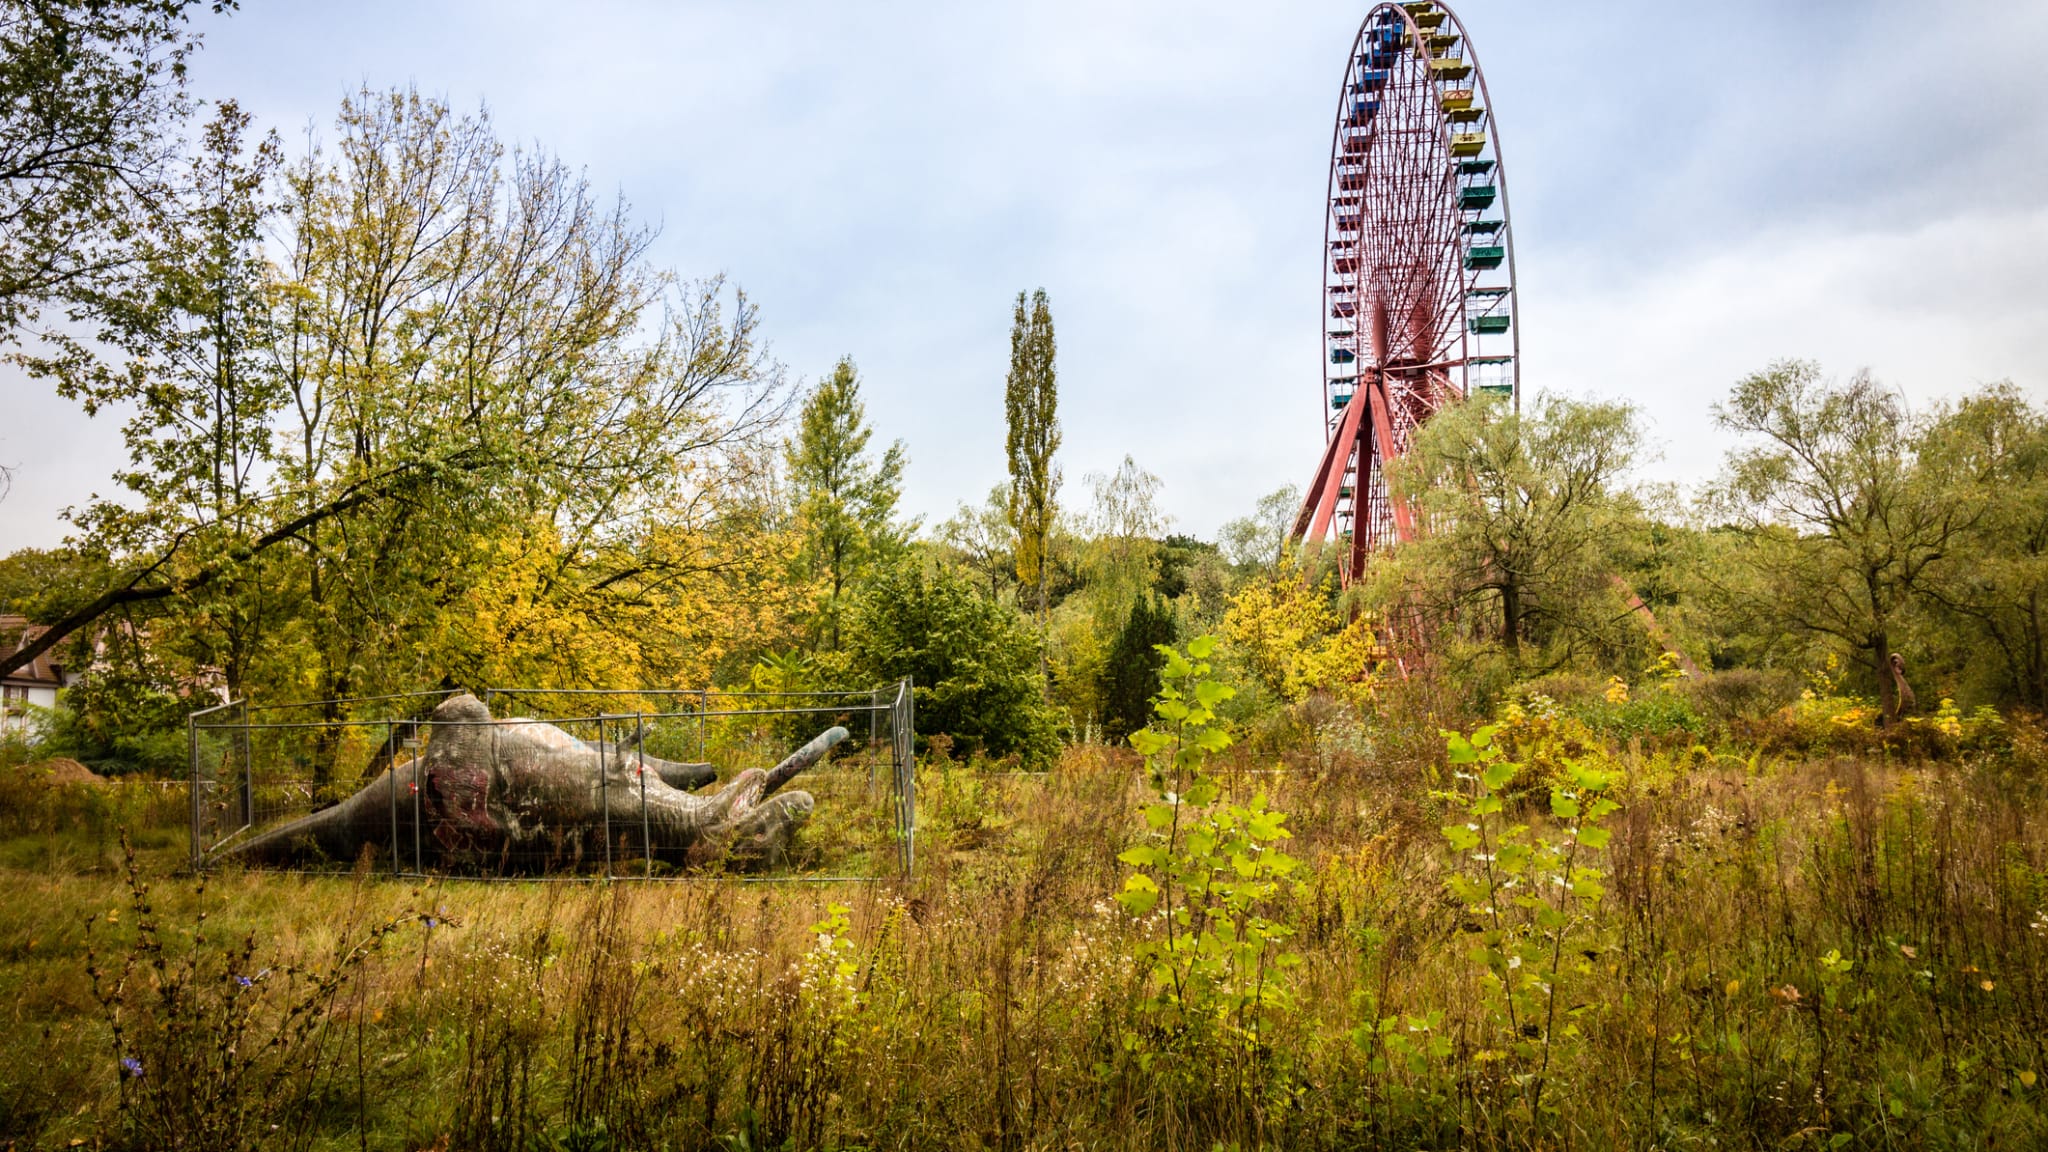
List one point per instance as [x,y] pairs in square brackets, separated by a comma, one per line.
[1412,305]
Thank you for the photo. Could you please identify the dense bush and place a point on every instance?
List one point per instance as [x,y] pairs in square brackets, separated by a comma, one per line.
[1131,674]
[1739,695]
[119,724]
[973,663]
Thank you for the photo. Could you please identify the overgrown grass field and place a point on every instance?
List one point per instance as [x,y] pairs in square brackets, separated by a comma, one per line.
[1802,949]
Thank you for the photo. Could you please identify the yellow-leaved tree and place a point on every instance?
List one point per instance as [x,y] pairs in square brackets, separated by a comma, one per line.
[1286,635]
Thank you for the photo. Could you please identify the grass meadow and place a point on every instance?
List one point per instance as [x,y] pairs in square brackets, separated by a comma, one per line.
[1797,947]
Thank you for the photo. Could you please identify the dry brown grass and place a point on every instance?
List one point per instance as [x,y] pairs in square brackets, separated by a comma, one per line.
[993,1002]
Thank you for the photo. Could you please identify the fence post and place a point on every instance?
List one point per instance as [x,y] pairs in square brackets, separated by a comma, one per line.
[874,706]
[604,791]
[192,739]
[910,775]
[248,772]
[391,806]
[902,719]
[640,759]
[419,783]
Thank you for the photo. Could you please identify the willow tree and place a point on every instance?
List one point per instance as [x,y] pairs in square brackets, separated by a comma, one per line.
[1031,403]
[1521,513]
[1991,448]
[1847,522]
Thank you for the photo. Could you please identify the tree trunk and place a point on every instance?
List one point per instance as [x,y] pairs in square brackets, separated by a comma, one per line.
[1511,618]
[2037,655]
[1880,666]
[1044,627]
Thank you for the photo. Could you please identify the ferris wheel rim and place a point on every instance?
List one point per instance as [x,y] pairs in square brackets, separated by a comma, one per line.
[1419,251]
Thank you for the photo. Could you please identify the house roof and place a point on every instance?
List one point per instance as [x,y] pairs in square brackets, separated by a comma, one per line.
[39,672]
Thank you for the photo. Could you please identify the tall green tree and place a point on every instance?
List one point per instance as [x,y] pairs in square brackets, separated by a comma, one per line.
[1521,511]
[1031,403]
[1991,449]
[92,101]
[1847,521]
[846,499]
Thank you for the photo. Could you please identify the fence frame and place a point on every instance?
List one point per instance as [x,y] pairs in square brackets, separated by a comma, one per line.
[893,704]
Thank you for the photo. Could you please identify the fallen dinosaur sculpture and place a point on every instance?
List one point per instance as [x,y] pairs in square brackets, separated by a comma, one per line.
[519,795]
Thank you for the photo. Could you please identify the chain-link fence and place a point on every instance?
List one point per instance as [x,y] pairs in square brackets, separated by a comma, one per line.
[635,774]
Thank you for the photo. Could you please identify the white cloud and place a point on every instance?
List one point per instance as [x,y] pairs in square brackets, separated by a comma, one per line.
[1698,190]
[1933,310]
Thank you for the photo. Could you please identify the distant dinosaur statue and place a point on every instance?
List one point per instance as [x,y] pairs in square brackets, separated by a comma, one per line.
[1902,700]
[519,794]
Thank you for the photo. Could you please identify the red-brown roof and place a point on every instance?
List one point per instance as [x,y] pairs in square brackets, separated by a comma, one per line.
[16,631]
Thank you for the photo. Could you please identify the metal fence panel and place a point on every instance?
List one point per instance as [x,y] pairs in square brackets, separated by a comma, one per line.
[255,769]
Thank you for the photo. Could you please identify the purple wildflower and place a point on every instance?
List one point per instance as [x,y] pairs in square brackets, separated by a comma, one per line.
[131,1067]
[244,981]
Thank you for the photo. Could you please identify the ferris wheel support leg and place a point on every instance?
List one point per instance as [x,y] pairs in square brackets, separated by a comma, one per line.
[1321,503]
[1383,439]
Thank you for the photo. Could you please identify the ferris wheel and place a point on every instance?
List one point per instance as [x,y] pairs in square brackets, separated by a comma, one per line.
[1418,266]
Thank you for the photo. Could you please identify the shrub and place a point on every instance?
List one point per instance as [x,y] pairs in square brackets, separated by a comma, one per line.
[117,724]
[1203,895]
[1131,674]
[1742,696]
[972,661]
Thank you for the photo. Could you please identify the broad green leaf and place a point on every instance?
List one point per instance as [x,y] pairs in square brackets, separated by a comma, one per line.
[1497,775]
[1563,805]
[1595,837]
[1140,895]
[1150,742]
[1143,856]
[1202,646]
[1463,837]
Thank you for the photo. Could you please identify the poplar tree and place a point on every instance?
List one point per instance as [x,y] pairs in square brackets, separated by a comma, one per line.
[847,500]
[1032,405]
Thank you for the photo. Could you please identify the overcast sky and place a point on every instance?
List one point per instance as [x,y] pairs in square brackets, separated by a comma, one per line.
[1697,190]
